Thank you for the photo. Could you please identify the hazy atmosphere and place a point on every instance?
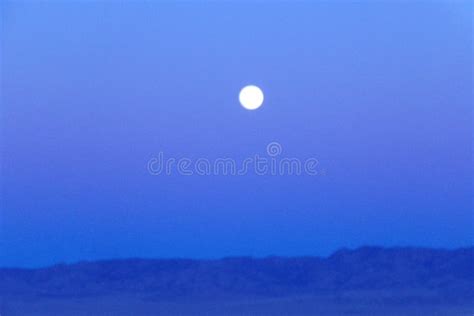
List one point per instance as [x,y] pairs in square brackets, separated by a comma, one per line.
[236,158]
[379,94]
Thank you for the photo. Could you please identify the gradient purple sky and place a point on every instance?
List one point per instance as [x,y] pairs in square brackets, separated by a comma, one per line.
[379,92]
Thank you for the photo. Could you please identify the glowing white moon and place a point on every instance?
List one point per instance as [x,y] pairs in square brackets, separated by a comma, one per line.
[251,97]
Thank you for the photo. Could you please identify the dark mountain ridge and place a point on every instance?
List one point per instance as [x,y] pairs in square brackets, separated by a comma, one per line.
[401,273]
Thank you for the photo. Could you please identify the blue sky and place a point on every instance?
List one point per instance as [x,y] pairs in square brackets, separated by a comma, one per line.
[379,92]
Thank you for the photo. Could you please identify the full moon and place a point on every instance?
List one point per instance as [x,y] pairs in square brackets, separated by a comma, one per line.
[251,97]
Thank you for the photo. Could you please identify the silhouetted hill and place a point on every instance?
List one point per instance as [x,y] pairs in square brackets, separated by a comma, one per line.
[397,275]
